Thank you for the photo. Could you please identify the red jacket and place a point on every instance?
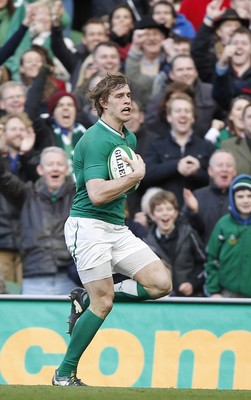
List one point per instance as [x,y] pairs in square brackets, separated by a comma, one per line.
[188,8]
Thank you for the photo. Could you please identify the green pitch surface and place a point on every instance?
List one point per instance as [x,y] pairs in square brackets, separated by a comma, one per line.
[17,392]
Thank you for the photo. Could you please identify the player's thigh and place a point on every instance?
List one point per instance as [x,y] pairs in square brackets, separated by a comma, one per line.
[131,254]
[95,273]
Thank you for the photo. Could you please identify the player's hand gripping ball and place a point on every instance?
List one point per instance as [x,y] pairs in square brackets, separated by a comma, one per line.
[117,167]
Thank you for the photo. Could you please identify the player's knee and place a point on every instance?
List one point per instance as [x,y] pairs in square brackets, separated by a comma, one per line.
[103,306]
[165,286]
[168,287]
[108,304]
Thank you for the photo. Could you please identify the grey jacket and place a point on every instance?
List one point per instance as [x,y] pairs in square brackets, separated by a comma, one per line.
[42,243]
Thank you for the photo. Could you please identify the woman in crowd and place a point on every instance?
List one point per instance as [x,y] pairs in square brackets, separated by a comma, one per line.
[121,22]
[234,124]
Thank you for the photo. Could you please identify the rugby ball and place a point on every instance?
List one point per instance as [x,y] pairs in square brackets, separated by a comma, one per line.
[117,167]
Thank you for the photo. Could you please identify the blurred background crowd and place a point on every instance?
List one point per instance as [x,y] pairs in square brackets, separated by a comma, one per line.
[189,67]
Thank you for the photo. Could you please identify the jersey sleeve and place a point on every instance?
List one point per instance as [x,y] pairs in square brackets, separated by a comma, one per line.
[96,156]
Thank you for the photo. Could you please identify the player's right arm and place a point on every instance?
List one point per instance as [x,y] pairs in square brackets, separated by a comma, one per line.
[102,191]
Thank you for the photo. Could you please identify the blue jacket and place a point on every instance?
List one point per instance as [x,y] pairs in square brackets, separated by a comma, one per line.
[183,27]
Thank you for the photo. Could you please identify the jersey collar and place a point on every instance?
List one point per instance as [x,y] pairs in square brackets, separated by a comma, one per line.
[112,129]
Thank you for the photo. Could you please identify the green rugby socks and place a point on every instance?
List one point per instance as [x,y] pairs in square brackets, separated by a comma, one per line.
[83,333]
[129,290]
[125,291]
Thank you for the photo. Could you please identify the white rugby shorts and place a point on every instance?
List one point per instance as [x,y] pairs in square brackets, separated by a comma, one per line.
[100,249]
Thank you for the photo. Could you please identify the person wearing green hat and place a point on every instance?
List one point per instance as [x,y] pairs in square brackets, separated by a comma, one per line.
[228,266]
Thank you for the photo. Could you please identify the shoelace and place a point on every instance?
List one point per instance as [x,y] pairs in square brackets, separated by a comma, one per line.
[75,380]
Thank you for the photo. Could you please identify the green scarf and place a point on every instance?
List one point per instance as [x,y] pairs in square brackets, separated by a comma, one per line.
[63,141]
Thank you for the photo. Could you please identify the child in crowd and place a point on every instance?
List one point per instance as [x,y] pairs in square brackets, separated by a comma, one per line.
[175,241]
[228,272]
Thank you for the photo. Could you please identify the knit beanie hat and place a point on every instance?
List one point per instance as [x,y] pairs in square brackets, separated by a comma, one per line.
[54,99]
[242,184]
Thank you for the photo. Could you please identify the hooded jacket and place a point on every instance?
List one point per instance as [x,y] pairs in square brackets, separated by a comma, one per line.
[233,210]
[228,263]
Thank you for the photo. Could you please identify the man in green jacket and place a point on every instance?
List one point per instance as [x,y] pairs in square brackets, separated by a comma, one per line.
[228,266]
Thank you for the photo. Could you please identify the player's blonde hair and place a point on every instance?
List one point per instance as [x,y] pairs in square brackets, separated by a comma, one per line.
[104,88]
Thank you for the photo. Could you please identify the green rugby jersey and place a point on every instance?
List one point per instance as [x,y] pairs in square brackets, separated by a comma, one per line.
[90,162]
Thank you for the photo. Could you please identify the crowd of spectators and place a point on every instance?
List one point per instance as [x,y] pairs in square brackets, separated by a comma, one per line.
[190,76]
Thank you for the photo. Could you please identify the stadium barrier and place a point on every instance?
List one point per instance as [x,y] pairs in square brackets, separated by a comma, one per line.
[180,343]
